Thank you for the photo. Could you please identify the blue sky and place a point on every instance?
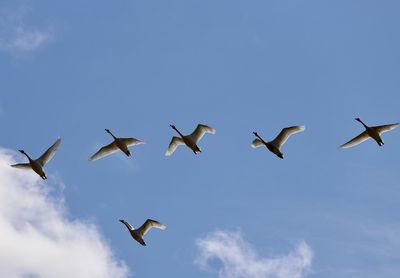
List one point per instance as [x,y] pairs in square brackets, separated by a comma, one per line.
[73,68]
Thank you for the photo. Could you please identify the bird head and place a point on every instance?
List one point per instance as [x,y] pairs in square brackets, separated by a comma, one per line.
[172,126]
[22,151]
[107,130]
[255,133]
[358,119]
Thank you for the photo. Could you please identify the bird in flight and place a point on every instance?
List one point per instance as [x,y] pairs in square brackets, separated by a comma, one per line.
[190,140]
[118,144]
[38,164]
[275,145]
[139,233]
[373,132]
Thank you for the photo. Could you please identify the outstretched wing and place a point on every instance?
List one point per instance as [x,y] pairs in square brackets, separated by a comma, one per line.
[104,151]
[285,134]
[44,158]
[199,132]
[356,140]
[384,128]
[22,166]
[148,224]
[175,142]
[257,143]
[131,141]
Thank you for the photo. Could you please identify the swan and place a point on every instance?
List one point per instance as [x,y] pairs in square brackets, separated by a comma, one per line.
[118,144]
[190,140]
[139,233]
[38,164]
[274,145]
[373,132]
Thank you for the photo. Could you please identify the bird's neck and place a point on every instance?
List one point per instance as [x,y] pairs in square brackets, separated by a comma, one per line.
[130,228]
[362,123]
[30,159]
[178,131]
[109,132]
[259,137]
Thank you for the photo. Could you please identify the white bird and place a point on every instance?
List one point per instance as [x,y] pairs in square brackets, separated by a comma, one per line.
[373,132]
[38,164]
[190,140]
[274,145]
[139,233]
[118,144]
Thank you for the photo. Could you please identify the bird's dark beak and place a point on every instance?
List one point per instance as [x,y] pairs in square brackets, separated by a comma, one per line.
[122,221]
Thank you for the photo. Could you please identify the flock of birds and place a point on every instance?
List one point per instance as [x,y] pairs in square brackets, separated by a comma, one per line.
[191,141]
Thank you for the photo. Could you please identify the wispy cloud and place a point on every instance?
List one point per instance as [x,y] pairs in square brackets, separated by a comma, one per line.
[37,237]
[16,36]
[238,259]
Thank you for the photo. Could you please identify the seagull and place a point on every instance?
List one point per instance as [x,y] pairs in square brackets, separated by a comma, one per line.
[139,233]
[274,145]
[38,164]
[118,144]
[373,132]
[190,140]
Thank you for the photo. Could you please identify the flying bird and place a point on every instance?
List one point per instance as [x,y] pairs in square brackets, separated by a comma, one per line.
[373,132]
[274,145]
[118,144]
[190,140]
[38,164]
[139,233]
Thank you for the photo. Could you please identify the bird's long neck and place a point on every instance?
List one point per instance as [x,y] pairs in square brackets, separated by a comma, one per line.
[23,152]
[130,228]
[109,132]
[359,120]
[177,131]
[259,137]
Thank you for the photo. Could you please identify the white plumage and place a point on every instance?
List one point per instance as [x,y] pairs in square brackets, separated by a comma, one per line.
[190,140]
[38,164]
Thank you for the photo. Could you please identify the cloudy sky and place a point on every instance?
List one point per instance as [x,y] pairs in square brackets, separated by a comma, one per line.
[73,68]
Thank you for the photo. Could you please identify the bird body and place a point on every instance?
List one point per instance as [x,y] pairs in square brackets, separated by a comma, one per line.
[138,234]
[190,140]
[38,164]
[121,144]
[373,132]
[275,145]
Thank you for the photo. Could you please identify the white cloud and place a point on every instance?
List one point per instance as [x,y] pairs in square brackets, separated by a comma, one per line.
[27,40]
[238,259]
[16,37]
[38,239]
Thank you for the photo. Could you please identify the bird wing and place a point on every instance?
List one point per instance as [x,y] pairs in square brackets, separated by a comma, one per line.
[104,151]
[257,143]
[131,141]
[47,155]
[199,132]
[175,142]
[383,128]
[356,140]
[22,166]
[285,134]
[148,224]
